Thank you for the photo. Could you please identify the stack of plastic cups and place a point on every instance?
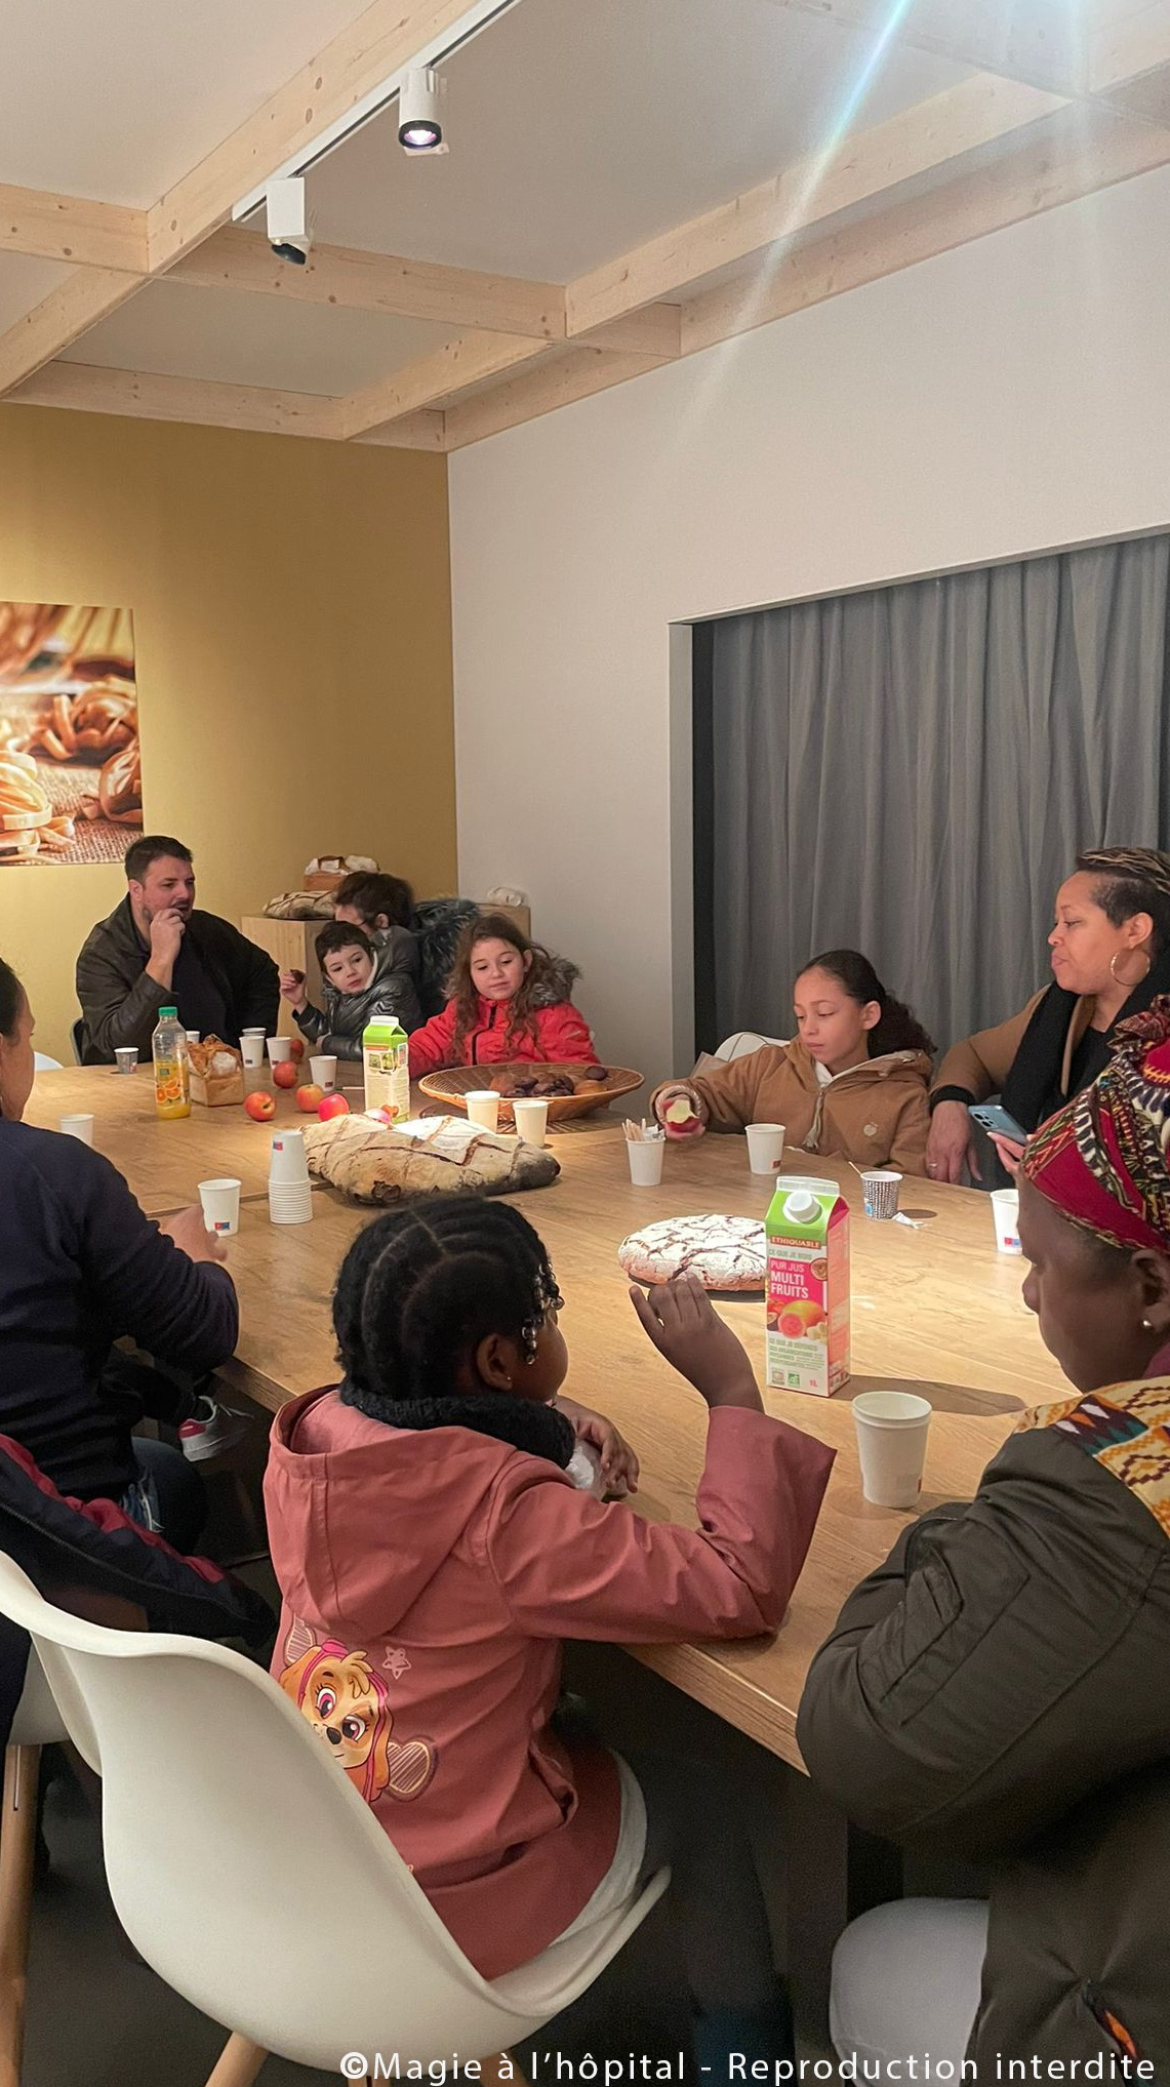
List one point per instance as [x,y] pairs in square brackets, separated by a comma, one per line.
[290,1193]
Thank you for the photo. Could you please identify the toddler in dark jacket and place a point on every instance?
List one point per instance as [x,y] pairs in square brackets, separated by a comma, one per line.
[365,981]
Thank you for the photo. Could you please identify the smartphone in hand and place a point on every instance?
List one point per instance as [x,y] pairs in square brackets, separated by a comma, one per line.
[997,1121]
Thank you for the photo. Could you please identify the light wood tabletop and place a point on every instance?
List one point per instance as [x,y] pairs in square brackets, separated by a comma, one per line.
[164,1162]
[936,1310]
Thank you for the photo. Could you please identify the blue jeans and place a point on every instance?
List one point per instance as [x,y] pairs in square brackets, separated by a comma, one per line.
[167,1496]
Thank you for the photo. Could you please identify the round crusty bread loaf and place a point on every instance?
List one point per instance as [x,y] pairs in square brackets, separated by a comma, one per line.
[725,1253]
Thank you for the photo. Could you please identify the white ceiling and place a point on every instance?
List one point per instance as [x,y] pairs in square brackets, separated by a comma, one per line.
[578,128]
[175,331]
[116,99]
[581,127]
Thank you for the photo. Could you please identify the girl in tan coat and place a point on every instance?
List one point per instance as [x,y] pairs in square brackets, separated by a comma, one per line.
[853,1084]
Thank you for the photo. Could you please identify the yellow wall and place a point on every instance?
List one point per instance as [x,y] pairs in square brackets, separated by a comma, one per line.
[293,634]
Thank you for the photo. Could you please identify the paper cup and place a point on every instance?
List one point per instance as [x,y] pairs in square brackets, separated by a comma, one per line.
[288,1165]
[78,1127]
[252,1049]
[323,1072]
[892,1427]
[765,1143]
[880,1189]
[257,1030]
[1005,1213]
[192,1036]
[531,1120]
[127,1058]
[483,1109]
[290,1203]
[645,1156]
[221,1205]
[279,1049]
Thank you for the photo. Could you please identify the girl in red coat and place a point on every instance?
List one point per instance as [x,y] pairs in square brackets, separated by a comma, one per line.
[509,1003]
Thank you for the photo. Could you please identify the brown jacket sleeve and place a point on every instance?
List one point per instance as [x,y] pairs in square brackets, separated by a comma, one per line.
[1000,1665]
[729,1095]
[911,1131]
[983,1062]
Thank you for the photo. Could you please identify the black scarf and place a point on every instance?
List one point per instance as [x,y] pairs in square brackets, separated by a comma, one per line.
[1032,1091]
[540,1430]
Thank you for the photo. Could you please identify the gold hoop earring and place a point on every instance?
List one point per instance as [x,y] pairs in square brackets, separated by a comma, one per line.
[1130,984]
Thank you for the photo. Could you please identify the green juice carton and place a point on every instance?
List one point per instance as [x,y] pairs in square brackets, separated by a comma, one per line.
[807,1309]
[385,1061]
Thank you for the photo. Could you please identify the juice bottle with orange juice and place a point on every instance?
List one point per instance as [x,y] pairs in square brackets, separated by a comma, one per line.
[168,1046]
[808,1287]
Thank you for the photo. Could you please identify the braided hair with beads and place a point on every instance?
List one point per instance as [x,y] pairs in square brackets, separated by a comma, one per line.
[418,1291]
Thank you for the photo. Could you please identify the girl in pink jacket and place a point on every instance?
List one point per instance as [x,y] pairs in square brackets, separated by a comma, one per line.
[432,1552]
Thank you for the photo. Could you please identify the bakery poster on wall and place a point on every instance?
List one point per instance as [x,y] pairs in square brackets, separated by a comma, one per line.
[70,772]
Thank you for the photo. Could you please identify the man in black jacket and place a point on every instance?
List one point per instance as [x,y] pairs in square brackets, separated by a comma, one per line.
[156,951]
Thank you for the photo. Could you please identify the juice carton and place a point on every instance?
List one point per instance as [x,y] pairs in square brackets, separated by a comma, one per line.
[808,1287]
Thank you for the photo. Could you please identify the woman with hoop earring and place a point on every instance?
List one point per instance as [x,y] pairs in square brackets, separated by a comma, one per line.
[1110,958]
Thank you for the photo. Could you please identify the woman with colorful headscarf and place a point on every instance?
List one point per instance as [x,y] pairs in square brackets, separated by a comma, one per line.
[1110,959]
[1000,1688]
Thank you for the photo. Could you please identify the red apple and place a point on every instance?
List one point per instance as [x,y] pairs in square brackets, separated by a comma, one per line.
[297,1047]
[680,1119]
[310,1098]
[284,1073]
[261,1106]
[333,1105]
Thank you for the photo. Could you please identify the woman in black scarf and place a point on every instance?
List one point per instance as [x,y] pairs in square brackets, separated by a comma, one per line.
[1110,959]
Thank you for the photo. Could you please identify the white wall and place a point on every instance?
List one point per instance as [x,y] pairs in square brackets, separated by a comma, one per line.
[1006,398]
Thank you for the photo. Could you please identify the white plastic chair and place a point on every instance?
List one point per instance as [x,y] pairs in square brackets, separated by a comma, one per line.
[251,1876]
[743,1042]
[43,1063]
[36,1723]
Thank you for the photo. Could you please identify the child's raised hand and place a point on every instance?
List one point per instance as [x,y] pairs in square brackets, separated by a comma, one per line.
[685,1327]
[292,989]
[619,1463]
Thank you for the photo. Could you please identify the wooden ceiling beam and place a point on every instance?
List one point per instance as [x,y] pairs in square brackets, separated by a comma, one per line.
[561,378]
[1129,63]
[140,395]
[919,140]
[451,370]
[68,228]
[1036,41]
[85,297]
[356,280]
[385,37]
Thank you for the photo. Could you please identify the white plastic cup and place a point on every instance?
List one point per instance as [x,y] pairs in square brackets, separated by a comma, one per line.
[290,1203]
[192,1036]
[892,1427]
[279,1049]
[765,1144]
[78,1127]
[1005,1212]
[880,1188]
[252,1049]
[221,1205]
[483,1109]
[646,1156]
[126,1058]
[288,1164]
[257,1030]
[323,1072]
[531,1120]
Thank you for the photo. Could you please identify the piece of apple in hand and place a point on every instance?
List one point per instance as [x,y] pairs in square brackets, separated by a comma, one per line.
[680,1118]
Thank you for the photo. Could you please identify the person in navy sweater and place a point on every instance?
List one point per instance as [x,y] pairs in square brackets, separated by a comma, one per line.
[81,1265]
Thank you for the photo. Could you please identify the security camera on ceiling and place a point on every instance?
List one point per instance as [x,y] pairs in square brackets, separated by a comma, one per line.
[420,121]
[290,232]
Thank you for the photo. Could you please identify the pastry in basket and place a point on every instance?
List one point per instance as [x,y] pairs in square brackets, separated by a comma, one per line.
[217,1073]
[725,1253]
[441,1155]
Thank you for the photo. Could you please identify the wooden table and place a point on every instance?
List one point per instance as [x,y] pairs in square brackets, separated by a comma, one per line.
[937,1310]
[164,1162]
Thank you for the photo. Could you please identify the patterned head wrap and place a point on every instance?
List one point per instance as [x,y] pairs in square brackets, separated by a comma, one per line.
[1102,1159]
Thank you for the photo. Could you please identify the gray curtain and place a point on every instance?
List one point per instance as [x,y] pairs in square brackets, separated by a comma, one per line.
[911,772]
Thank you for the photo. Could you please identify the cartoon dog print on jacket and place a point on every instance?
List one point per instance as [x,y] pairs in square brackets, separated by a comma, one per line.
[348,1706]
